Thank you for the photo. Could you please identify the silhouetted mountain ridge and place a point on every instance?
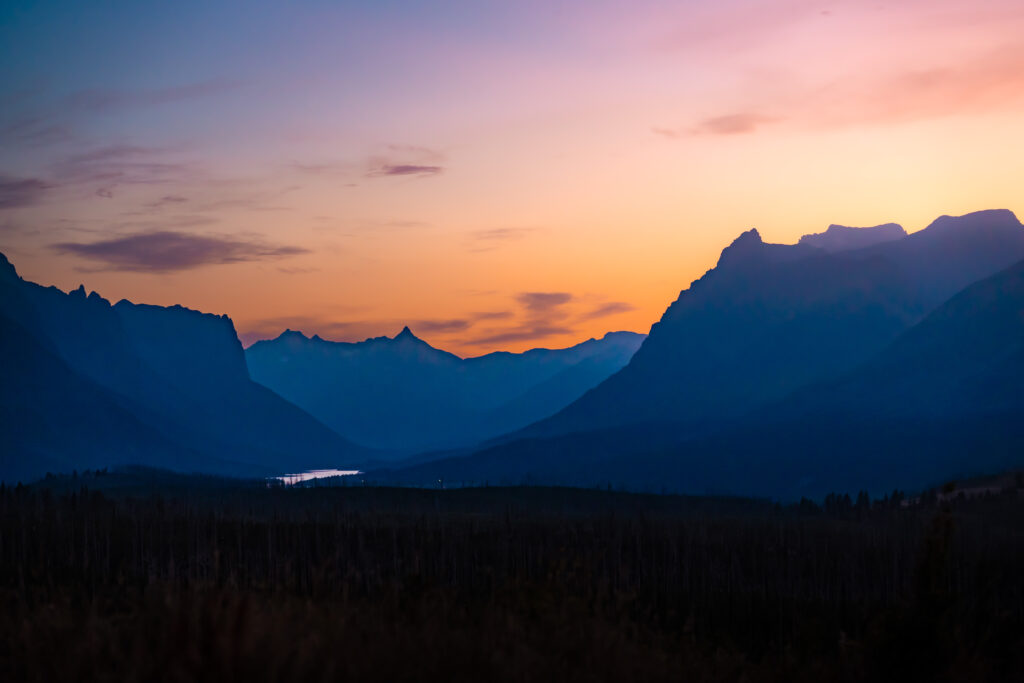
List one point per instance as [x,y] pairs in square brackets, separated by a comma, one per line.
[942,399]
[402,393]
[844,238]
[178,378]
[771,318]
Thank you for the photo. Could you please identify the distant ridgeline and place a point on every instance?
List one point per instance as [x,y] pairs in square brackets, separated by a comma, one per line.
[86,384]
[859,358]
[401,393]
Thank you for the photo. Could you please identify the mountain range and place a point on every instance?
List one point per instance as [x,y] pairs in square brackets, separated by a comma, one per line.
[857,358]
[87,384]
[794,370]
[404,395]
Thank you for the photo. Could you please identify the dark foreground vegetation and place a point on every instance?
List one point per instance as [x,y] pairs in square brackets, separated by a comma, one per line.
[116,577]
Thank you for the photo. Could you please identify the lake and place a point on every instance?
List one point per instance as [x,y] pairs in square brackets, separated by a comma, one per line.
[314,474]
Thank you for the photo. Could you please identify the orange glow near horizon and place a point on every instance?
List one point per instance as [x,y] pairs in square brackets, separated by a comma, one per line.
[436,173]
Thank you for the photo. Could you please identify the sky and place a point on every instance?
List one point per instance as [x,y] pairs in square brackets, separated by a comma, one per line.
[496,175]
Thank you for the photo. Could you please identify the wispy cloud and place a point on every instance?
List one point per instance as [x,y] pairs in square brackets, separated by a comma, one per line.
[297,271]
[34,131]
[605,310]
[543,303]
[492,315]
[411,161]
[322,168]
[393,160]
[985,81]
[670,133]
[166,251]
[731,124]
[441,326]
[404,170]
[417,151]
[520,334]
[542,316]
[736,123]
[492,238]
[111,99]
[168,200]
[120,164]
[19,192]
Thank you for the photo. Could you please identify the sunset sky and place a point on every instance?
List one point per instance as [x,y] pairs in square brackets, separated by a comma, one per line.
[495,175]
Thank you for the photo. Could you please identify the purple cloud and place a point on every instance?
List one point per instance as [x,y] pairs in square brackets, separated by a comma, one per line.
[19,192]
[167,251]
[298,271]
[119,164]
[605,310]
[405,170]
[528,333]
[498,234]
[34,132]
[732,124]
[492,315]
[542,312]
[665,132]
[543,302]
[487,240]
[322,168]
[442,326]
[106,99]
[417,151]
[168,199]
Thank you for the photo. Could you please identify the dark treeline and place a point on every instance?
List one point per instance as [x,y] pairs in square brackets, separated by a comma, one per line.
[223,580]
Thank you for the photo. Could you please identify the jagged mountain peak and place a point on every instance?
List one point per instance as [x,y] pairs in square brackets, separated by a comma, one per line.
[6,267]
[406,333]
[292,334]
[749,252]
[745,247]
[747,240]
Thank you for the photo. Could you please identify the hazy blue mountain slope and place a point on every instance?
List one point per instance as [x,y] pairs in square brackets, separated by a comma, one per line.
[53,419]
[179,373]
[769,319]
[402,393]
[199,355]
[966,357]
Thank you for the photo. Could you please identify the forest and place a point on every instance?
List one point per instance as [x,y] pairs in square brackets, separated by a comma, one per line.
[146,575]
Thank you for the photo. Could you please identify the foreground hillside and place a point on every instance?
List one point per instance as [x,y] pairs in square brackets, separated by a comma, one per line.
[163,577]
